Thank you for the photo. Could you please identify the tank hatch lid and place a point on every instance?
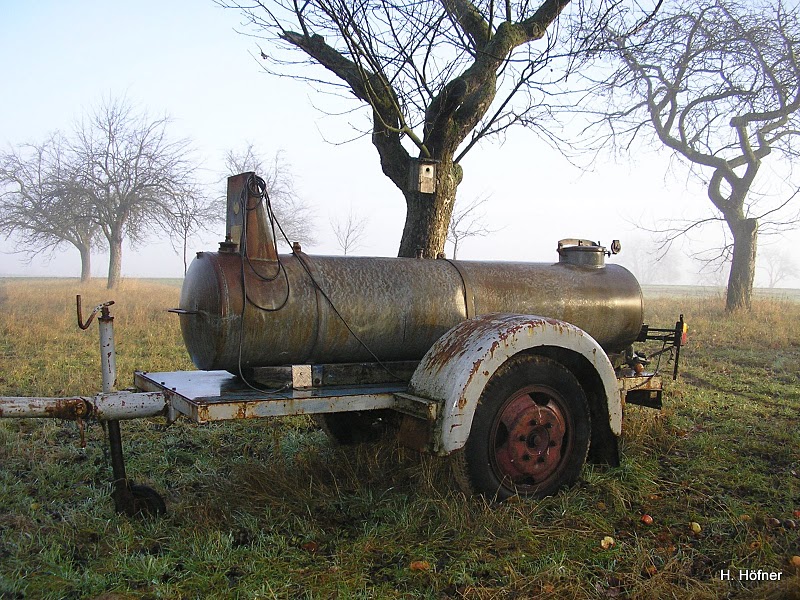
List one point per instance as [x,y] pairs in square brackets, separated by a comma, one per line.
[583,253]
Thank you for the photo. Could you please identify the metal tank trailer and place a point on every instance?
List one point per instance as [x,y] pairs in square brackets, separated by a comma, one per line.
[517,371]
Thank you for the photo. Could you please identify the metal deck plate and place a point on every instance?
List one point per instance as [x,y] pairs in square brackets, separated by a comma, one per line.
[205,396]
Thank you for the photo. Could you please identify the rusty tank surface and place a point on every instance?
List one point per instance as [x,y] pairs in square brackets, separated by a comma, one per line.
[246,306]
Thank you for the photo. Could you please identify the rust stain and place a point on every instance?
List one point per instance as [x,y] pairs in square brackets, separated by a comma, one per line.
[446,350]
[500,328]
[68,408]
[241,411]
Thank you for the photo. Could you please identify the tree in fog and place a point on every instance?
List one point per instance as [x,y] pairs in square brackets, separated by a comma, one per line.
[649,263]
[189,214]
[295,216]
[718,83]
[467,222]
[38,206]
[434,77]
[778,265]
[349,231]
[131,172]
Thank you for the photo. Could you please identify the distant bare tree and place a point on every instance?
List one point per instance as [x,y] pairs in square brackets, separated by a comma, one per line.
[131,172]
[189,214]
[649,264]
[466,223]
[779,266]
[718,83]
[38,205]
[294,215]
[349,231]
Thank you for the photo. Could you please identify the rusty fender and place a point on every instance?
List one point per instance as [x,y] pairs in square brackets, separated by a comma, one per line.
[102,407]
[458,366]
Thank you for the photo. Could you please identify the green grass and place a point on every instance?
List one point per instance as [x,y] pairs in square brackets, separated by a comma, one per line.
[269,509]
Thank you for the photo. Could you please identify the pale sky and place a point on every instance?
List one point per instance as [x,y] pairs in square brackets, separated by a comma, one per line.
[185,58]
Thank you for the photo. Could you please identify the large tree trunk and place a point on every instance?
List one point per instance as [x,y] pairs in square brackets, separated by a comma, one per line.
[428,215]
[86,263]
[743,265]
[114,261]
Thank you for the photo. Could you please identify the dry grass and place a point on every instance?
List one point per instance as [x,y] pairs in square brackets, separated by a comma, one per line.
[44,352]
[269,509]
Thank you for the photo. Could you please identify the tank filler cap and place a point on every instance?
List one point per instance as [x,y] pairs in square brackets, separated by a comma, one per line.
[581,253]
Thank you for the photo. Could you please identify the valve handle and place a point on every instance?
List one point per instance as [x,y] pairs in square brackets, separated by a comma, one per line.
[94,312]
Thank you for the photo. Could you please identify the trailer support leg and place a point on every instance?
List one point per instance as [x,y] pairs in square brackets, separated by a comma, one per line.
[128,498]
[120,486]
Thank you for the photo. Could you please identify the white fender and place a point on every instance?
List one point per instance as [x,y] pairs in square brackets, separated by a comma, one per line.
[457,367]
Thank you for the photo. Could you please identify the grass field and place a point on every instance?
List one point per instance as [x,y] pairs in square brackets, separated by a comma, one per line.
[269,509]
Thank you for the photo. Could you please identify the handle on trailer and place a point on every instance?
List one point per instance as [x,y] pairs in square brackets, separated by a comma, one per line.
[94,312]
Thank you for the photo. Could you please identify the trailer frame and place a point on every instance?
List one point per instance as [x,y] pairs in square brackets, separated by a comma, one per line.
[435,397]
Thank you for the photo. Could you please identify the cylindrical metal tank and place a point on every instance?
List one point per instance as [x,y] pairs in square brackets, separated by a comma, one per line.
[297,309]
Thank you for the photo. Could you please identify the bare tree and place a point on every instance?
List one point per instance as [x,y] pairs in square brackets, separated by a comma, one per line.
[712,274]
[778,266]
[349,231]
[131,172]
[434,78]
[38,205]
[649,264]
[466,223]
[189,214]
[718,83]
[294,215]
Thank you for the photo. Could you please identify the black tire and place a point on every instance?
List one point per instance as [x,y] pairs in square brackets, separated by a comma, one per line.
[348,428]
[530,434]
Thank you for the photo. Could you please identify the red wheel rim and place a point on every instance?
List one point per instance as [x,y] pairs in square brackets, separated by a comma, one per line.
[530,437]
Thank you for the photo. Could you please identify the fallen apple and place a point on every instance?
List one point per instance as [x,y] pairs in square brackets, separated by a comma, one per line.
[695,527]
[420,565]
[647,519]
[607,542]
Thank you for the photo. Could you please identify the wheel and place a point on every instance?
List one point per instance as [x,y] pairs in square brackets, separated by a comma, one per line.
[530,434]
[147,501]
[348,428]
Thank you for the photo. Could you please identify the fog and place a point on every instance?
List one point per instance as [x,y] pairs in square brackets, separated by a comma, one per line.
[187,60]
